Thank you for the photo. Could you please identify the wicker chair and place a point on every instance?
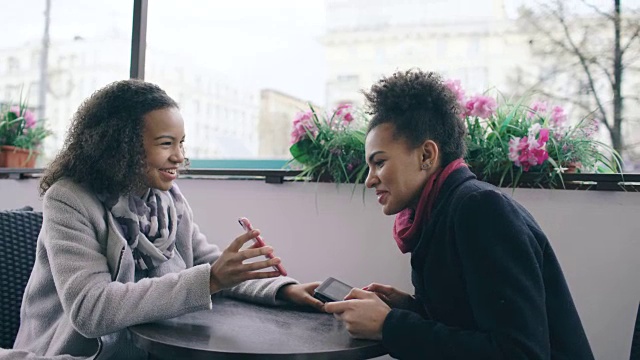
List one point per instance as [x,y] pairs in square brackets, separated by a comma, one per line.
[19,231]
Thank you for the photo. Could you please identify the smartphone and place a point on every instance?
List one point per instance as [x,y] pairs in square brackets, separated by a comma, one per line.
[246,225]
[332,290]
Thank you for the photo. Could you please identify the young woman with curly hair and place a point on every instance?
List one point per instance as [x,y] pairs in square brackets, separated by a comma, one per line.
[118,244]
[487,283]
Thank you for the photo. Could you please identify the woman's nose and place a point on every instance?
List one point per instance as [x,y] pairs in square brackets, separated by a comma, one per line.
[178,156]
[370,180]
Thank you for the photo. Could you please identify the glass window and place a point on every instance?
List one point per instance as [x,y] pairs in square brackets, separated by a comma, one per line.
[243,51]
[263,60]
[87,40]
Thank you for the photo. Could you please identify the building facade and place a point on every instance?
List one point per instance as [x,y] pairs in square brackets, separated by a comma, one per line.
[220,119]
[366,40]
[277,111]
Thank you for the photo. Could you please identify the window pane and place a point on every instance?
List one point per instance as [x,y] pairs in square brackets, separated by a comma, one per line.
[242,69]
[89,47]
[239,69]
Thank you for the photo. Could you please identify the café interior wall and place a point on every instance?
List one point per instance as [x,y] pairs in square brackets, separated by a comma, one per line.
[322,230]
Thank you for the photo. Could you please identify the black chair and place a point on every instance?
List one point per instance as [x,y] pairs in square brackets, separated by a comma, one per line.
[19,231]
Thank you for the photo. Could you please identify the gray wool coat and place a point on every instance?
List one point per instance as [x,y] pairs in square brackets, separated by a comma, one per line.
[83,294]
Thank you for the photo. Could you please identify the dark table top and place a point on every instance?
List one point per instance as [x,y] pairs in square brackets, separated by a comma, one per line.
[235,329]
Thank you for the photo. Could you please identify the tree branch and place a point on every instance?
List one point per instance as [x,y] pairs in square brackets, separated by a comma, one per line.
[596,9]
[628,65]
[543,78]
[631,146]
[585,67]
[606,72]
[549,34]
[565,99]
[631,39]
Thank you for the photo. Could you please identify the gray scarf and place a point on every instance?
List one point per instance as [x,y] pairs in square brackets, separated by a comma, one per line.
[148,223]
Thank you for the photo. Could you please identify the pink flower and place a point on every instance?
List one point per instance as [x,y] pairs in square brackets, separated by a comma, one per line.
[343,108]
[592,128]
[558,116]
[303,126]
[30,119]
[456,89]
[544,137]
[534,130]
[529,151]
[28,115]
[344,112]
[517,145]
[481,106]
[537,108]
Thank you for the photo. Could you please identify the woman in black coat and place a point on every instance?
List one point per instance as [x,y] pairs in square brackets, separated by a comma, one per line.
[487,283]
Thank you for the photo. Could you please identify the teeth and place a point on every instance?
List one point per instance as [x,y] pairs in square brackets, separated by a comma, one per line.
[170,171]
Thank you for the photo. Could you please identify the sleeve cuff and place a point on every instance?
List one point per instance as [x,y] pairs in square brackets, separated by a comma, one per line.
[260,291]
[282,281]
[395,336]
[201,293]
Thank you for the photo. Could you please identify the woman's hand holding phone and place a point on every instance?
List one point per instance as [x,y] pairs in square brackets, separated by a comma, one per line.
[258,242]
[393,297]
[301,294]
[229,270]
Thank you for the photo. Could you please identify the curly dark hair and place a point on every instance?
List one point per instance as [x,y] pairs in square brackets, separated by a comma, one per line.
[104,146]
[421,107]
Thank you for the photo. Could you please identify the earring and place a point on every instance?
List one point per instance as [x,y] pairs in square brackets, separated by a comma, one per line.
[425,166]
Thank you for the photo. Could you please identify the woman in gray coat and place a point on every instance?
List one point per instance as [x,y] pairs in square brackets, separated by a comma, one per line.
[118,244]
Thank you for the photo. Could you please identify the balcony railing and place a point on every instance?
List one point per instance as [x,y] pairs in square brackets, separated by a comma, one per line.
[608,182]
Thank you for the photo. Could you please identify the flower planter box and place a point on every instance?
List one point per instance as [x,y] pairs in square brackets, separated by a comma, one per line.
[13,157]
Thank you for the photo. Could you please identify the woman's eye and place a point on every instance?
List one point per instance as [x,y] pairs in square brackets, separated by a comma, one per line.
[166,144]
[379,163]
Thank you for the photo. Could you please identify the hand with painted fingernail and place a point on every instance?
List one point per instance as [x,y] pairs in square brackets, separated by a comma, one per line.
[230,269]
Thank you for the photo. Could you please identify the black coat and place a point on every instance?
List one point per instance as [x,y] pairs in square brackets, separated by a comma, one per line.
[489,284]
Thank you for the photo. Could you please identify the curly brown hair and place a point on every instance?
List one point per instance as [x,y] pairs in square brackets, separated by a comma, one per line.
[104,146]
[421,107]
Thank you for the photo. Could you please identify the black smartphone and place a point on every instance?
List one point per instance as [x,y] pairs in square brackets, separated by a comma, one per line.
[332,290]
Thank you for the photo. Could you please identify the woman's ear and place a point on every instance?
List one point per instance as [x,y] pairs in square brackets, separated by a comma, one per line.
[430,154]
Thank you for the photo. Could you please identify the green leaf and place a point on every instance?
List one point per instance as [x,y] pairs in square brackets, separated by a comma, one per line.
[300,150]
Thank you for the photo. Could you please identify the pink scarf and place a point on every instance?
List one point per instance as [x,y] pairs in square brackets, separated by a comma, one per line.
[408,224]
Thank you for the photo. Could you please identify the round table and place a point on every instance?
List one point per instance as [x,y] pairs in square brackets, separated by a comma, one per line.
[235,329]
